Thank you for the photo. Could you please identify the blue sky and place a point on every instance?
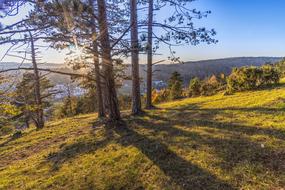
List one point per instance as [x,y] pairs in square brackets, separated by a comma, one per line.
[244,28]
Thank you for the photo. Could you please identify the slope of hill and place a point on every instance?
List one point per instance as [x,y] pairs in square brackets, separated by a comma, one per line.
[217,142]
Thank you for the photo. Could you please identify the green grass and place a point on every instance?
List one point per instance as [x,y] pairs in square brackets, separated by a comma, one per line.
[217,142]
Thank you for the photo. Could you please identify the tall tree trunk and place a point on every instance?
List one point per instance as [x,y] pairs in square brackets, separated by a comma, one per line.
[110,93]
[39,111]
[136,96]
[149,57]
[101,111]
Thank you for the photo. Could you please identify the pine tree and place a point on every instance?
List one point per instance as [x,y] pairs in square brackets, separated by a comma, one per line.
[194,87]
[110,93]
[136,96]
[149,56]
[39,119]
[175,84]
[7,109]
[175,76]
[95,51]
[175,29]
[176,90]
[26,98]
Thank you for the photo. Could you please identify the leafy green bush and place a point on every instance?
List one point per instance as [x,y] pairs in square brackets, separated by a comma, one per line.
[270,75]
[208,89]
[194,87]
[280,66]
[248,78]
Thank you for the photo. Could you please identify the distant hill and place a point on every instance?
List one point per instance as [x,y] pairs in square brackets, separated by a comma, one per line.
[55,78]
[207,68]
[188,70]
[8,65]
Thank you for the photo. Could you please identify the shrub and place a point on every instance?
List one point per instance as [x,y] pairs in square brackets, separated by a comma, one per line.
[280,66]
[160,96]
[248,78]
[176,91]
[194,87]
[213,85]
[207,87]
[270,75]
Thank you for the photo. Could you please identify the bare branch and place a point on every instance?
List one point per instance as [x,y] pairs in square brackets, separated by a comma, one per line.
[157,62]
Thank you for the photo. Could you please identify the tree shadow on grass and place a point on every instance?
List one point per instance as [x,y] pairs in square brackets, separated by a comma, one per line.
[6,142]
[237,149]
[193,115]
[183,173]
[12,138]
[234,149]
[262,110]
[78,148]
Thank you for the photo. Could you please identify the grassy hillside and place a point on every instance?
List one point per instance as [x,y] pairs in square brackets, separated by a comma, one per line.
[218,142]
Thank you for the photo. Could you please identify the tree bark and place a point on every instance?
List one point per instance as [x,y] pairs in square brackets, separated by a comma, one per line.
[39,120]
[136,96]
[101,111]
[149,57]
[110,94]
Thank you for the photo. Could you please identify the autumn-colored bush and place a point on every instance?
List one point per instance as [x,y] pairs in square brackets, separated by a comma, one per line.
[206,87]
[160,96]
